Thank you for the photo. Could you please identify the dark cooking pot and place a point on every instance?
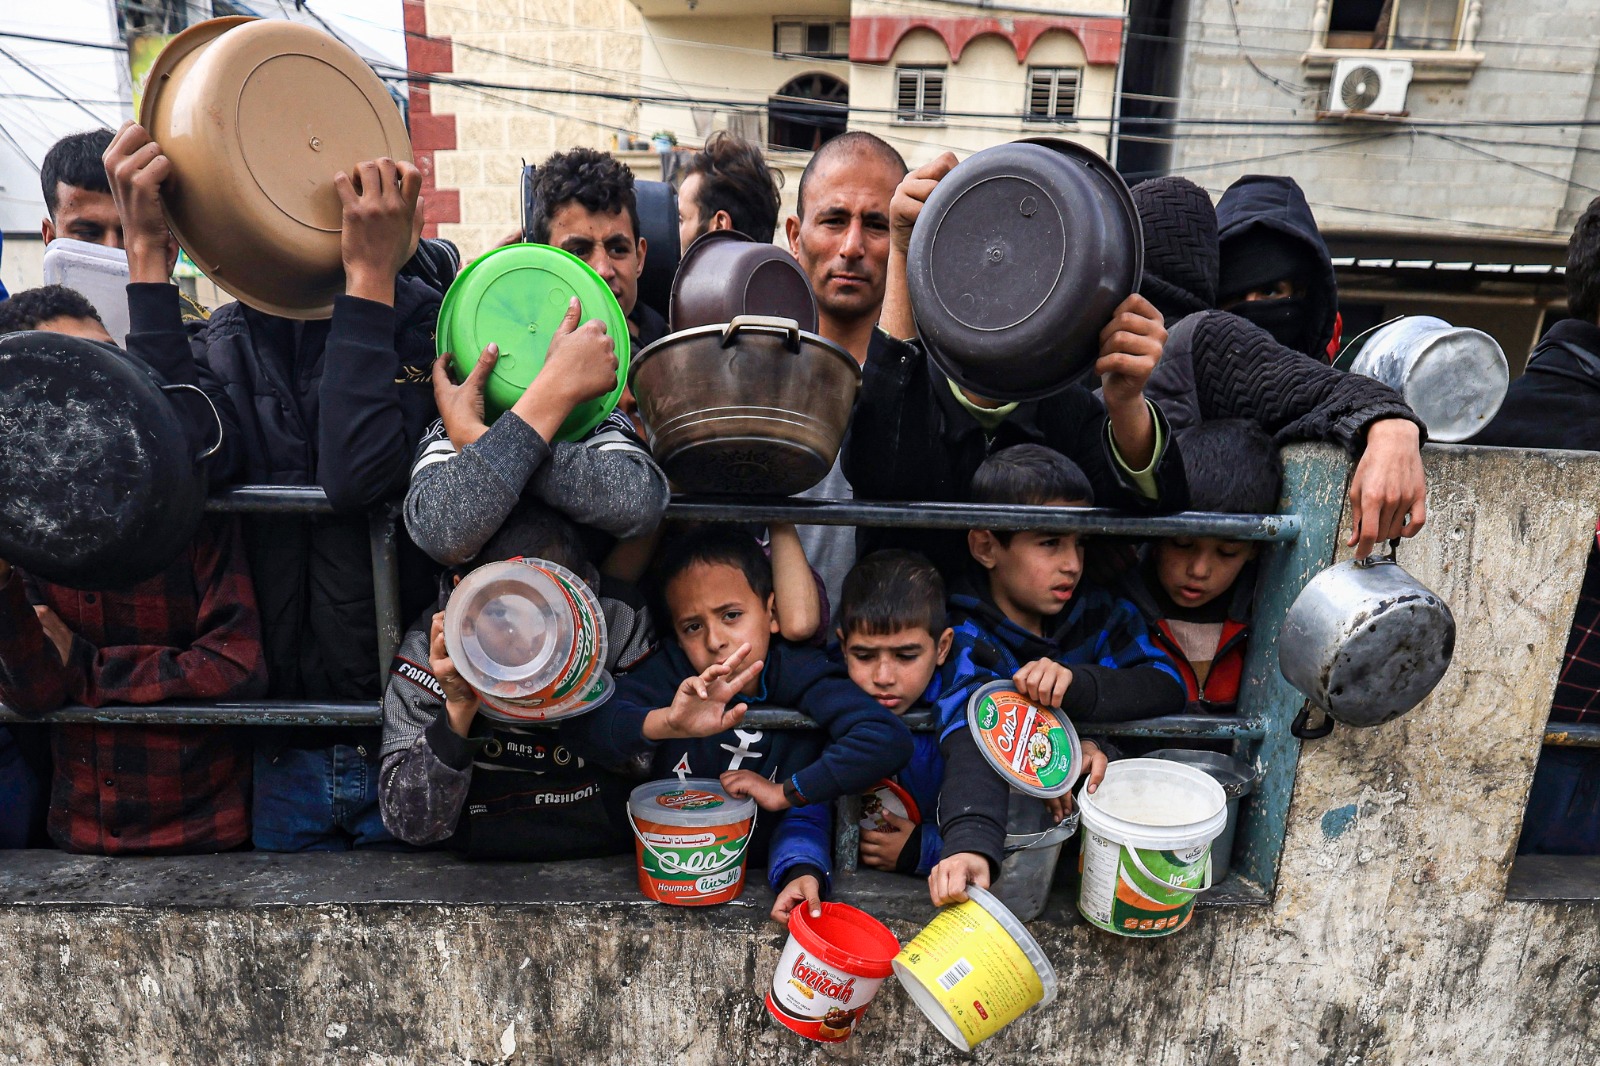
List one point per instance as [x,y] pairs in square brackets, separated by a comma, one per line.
[1017,262]
[100,486]
[725,274]
[657,202]
[754,407]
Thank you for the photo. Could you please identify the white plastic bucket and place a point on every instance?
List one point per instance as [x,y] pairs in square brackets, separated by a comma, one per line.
[1147,834]
[1453,377]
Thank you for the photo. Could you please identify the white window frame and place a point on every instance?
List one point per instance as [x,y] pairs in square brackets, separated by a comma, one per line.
[1429,64]
[1053,113]
[922,114]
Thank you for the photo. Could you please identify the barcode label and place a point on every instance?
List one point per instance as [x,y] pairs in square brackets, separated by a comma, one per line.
[952,977]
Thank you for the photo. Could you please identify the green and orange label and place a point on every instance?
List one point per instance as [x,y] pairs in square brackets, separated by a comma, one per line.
[1030,746]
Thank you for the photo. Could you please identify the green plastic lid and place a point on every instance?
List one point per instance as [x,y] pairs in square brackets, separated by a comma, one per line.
[515,297]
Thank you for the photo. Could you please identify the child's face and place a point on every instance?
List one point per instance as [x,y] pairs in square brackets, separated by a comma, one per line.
[895,668]
[1034,576]
[1196,570]
[510,629]
[714,610]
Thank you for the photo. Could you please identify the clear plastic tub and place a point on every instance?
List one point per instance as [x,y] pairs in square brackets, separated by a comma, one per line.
[529,636]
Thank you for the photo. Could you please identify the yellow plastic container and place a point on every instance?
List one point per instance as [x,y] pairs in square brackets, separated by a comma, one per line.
[974,970]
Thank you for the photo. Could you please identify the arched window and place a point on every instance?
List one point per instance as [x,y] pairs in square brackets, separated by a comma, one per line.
[807,111]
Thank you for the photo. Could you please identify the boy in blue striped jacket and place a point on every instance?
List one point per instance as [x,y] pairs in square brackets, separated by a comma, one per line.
[1024,614]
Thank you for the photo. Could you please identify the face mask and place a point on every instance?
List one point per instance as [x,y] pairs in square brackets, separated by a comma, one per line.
[1284,318]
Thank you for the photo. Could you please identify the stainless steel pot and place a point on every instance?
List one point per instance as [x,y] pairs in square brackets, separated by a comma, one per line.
[1366,642]
[754,407]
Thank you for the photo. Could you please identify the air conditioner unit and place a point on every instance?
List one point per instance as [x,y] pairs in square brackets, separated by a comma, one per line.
[1369,86]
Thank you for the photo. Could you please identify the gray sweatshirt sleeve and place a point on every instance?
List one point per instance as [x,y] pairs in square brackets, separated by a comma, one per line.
[457,500]
[422,786]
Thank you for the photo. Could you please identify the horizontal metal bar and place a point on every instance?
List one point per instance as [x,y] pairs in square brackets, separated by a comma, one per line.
[260,712]
[343,713]
[270,499]
[1572,735]
[309,499]
[1098,520]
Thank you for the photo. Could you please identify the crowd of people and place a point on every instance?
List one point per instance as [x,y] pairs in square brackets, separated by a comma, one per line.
[1221,356]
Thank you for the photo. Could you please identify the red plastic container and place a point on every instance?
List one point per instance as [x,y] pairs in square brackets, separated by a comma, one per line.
[830,970]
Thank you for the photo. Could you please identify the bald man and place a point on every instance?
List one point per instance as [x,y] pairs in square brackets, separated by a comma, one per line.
[840,235]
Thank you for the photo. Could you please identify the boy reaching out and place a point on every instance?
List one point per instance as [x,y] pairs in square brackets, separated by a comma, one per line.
[685,705]
[1027,616]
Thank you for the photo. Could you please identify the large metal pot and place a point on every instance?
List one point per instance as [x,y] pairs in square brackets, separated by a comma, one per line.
[754,407]
[1366,642]
[100,486]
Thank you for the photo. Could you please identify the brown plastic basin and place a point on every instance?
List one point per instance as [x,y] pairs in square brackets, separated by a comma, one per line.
[726,274]
[257,116]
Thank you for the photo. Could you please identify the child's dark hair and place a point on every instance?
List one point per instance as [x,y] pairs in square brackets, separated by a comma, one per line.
[596,181]
[25,310]
[1032,475]
[539,533]
[1231,466]
[889,591]
[710,545]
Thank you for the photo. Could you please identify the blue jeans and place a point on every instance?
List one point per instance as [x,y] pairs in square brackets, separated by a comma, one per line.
[1564,804]
[22,795]
[319,799]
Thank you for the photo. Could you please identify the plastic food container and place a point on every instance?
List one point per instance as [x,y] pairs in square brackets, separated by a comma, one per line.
[516,297]
[829,971]
[690,839]
[974,970]
[1033,749]
[887,797]
[530,637]
[97,272]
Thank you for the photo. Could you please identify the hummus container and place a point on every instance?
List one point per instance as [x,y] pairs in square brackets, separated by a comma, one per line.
[690,840]
[1034,750]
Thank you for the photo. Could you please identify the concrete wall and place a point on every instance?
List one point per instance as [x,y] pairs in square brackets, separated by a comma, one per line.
[1539,63]
[1390,940]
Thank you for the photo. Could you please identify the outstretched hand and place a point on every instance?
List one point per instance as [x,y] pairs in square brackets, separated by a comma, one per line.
[136,168]
[767,794]
[910,196]
[700,706]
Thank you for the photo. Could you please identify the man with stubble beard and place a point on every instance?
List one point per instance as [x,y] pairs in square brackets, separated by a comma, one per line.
[840,235]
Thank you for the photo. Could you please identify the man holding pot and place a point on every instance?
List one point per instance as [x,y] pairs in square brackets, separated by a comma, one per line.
[339,403]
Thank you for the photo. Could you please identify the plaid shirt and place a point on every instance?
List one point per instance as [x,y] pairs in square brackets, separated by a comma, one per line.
[1577,697]
[191,632]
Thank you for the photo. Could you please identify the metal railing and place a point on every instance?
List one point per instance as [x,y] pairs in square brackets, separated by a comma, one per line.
[1298,545]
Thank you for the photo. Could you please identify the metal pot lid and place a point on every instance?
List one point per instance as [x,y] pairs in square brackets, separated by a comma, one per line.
[516,297]
[257,116]
[1017,262]
[95,465]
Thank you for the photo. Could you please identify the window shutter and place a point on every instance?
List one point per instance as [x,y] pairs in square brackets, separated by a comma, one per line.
[841,38]
[1039,94]
[788,37]
[1066,96]
[907,84]
[932,94]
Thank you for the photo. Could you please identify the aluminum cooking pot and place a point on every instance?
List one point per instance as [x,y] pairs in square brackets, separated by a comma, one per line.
[1455,378]
[754,407]
[1017,262]
[100,485]
[1366,642]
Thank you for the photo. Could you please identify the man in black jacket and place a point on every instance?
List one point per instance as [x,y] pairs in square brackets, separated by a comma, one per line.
[1556,404]
[339,403]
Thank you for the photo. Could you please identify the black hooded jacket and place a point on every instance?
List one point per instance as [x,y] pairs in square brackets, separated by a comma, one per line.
[1216,364]
[1276,204]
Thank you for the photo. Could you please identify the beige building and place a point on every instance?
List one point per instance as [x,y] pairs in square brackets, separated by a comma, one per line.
[522,78]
